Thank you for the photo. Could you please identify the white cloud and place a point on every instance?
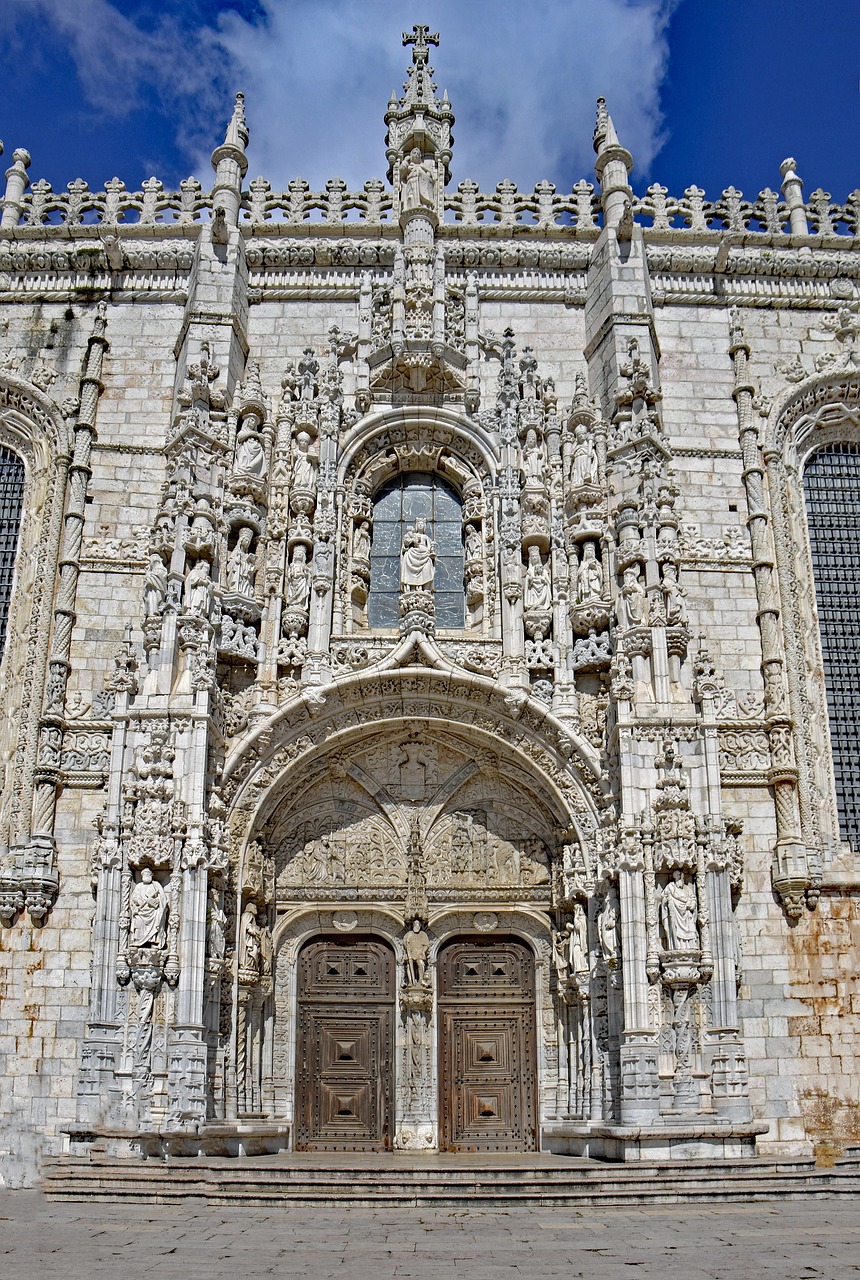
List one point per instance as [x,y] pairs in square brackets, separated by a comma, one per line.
[317,74]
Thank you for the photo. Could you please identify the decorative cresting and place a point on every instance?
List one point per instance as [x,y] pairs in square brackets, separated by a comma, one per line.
[54,445]
[821,409]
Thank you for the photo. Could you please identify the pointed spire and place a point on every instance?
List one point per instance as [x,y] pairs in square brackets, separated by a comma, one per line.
[237,130]
[17,180]
[419,118]
[612,166]
[230,164]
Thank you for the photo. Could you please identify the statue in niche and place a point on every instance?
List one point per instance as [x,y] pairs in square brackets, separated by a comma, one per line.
[241,564]
[583,462]
[418,182]
[154,587]
[673,596]
[678,914]
[631,602]
[472,542]
[198,589]
[250,945]
[417,559]
[250,454]
[304,464]
[361,543]
[533,458]
[537,594]
[416,946]
[578,934]
[148,912]
[217,937]
[299,578]
[589,577]
[607,928]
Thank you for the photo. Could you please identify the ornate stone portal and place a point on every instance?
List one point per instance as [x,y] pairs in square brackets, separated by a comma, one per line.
[431,654]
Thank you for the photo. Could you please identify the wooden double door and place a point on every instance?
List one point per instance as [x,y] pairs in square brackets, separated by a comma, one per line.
[487,1049]
[345,1052]
[487,1079]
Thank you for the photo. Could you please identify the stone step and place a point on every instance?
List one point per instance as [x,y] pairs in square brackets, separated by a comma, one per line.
[270,1183]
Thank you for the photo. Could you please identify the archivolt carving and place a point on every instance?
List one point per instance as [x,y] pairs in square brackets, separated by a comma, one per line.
[32,427]
[822,409]
[262,767]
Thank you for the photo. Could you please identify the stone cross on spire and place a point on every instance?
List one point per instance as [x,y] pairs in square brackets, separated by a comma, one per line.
[419,119]
[421,39]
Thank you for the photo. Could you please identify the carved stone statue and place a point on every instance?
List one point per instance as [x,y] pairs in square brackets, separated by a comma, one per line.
[631,602]
[217,932]
[533,458]
[250,454]
[304,465]
[472,542]
[578,940]
[678,914]
[241,563]
[537,594]
[673,596]
[607,928]
[589,578]
[417,559]
[148,912]
[299,578]
[418,179]
[416,944]
[198,589]
[154,587]
[583,462]
[361,543]
[250,947]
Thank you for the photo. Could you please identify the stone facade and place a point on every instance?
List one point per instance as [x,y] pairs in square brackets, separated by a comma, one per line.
[592,721]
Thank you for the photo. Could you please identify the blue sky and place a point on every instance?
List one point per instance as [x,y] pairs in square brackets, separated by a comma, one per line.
[711,92]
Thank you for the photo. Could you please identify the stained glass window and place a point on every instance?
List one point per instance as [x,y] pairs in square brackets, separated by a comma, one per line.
[831,482]
[411,496]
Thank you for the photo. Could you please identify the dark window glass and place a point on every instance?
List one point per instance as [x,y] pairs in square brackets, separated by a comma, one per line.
[11,497]
[831,483]
[416,495]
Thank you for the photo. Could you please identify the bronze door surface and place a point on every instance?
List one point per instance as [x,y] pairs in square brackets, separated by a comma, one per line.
[345,1052]
[487,1051]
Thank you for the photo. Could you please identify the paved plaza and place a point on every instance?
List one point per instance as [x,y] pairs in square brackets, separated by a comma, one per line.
[791,1240]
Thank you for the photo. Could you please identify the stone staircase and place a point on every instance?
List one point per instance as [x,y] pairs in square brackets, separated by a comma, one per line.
[450,1181]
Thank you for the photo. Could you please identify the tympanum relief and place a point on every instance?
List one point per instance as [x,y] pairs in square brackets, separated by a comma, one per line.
[353,834]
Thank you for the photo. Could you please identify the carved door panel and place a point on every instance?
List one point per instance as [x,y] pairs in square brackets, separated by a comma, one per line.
[344,1069]
[487,1085]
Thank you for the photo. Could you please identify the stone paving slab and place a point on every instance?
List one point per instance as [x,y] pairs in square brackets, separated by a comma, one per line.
[788,1241]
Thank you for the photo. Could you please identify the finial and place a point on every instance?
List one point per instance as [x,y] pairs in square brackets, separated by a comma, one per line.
[604,130]
[237,130]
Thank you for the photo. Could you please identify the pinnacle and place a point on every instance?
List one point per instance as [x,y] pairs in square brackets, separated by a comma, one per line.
[237,130]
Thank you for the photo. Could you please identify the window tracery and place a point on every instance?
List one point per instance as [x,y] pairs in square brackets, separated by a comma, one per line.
[831,485]
[11,502]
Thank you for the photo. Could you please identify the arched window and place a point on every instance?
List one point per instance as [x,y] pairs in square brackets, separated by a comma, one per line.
[831,483]
[411,496]
[11,498]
